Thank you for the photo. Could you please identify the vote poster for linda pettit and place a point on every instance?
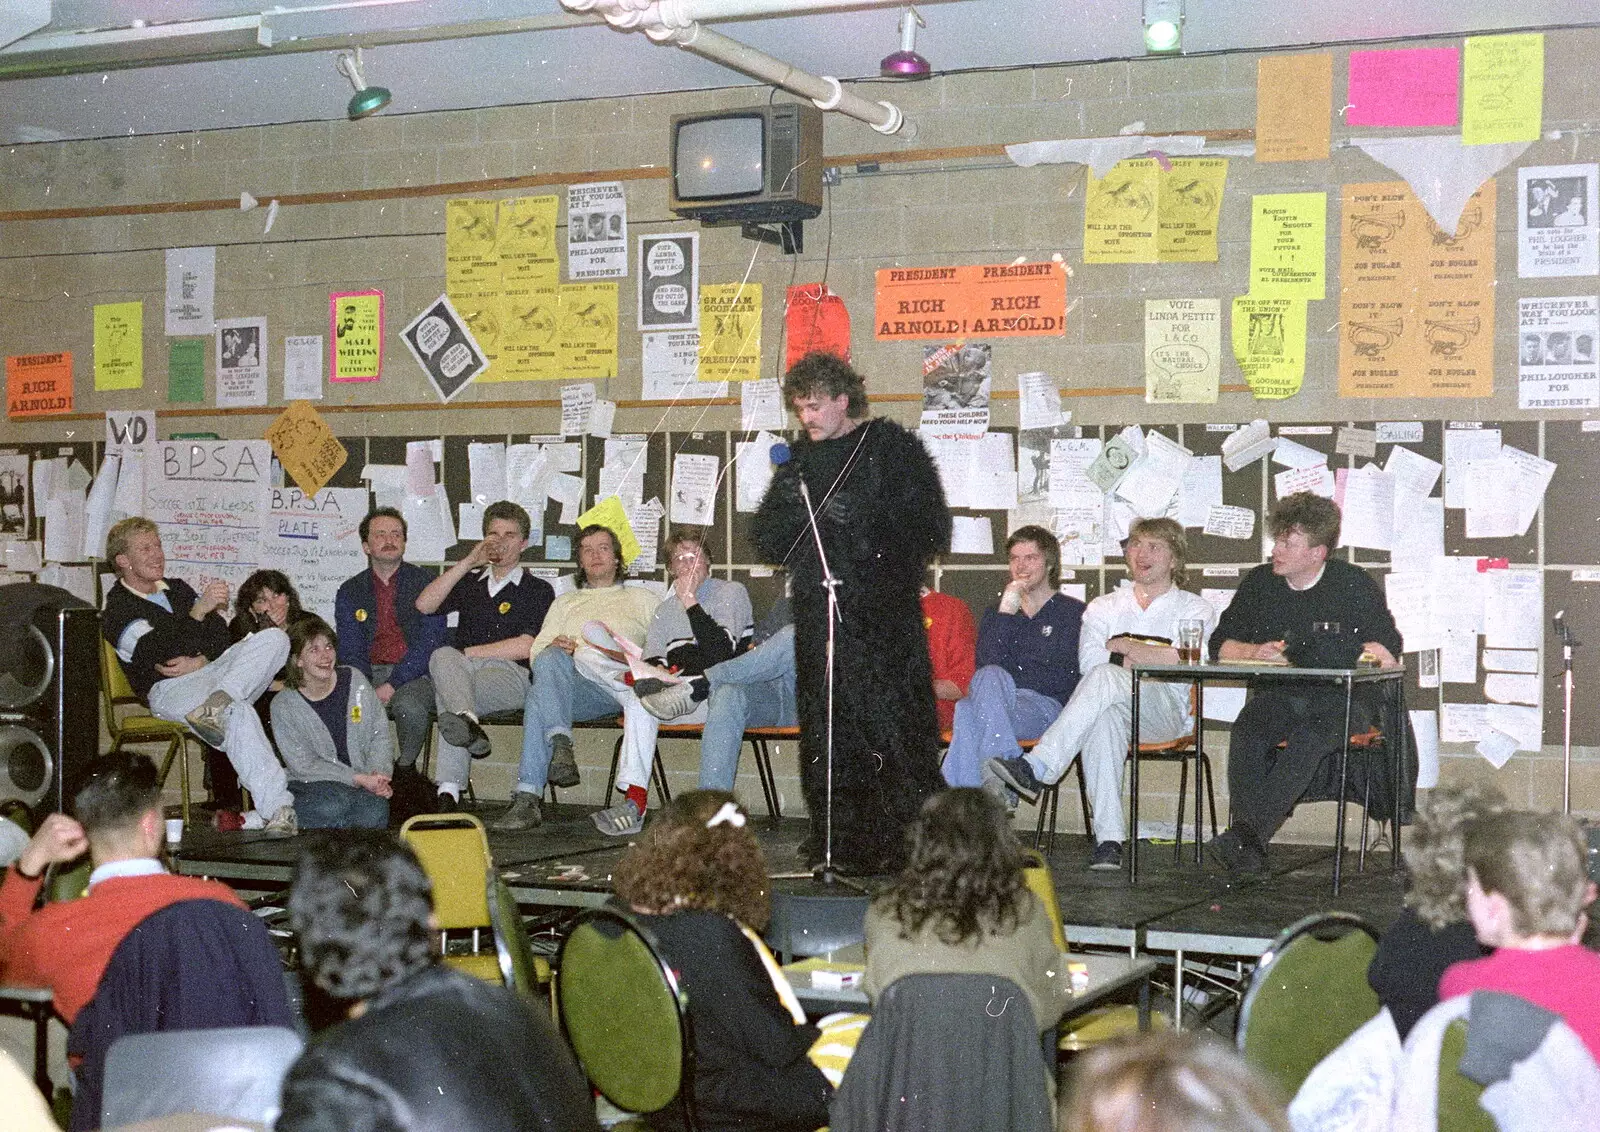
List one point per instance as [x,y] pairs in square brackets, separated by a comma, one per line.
[997,300]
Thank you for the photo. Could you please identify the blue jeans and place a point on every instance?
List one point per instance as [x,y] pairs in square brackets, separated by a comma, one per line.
[557,697]
[334,805]
[755,689]
[991,718]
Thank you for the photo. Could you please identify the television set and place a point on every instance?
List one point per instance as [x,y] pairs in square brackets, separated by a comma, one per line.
[760,164]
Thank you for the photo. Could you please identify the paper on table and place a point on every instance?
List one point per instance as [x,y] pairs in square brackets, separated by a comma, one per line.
[1039,401]
[568,491]
[1458,656]
[1248,444]
[1462,723]
[1356,442]
[752,470]
[1425,734]
[1318,480]
[1513,611]
[1290,453]
[469,521]
[601,417]
[1496,746]
[1525,724]
[577,400]
[1368,510]
[1230,522]
[486,467]
[1460,446]
[1200,491]
[1418,535]
[761,405]
[971,534]
[1410,601]
[694,489]
[1510,660]
[1512,688]
[1414,472]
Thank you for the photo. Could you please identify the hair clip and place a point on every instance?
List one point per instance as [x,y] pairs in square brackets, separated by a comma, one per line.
[729,814]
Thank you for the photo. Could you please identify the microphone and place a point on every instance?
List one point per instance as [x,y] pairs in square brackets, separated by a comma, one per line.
[779,454]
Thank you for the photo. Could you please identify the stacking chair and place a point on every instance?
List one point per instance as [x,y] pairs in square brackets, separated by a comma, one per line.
[625,1015]
[454,851]
[1459,1110]
[235,1072]
[140,726]
[815,925]
[1308,994]
[520,968]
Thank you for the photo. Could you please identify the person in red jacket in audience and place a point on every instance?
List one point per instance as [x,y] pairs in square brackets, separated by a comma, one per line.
[65,946]
[952,647]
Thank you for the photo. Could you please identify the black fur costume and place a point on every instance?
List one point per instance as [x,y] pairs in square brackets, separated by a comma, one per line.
[882,515]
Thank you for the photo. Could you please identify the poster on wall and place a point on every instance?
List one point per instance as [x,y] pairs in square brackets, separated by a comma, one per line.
[1182,351]
[1558,366]
[1269,343]
[315,540]
[355,321]
[1558,220]
[525,241]
[597,231]
[730,332]
[118,346]
[306,447]
[211,499]
[997,300]
[669,281]
[191,288]
[586,331]
[38,385]
[670,365]
[14,510]
[241,362]
[956,383]
[444,348]
[302,367]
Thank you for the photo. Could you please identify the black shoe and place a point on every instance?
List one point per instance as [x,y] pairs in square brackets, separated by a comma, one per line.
[1107,857]
[445,803]
[563,772]
[1239,849]
[1017,774]
[464,731]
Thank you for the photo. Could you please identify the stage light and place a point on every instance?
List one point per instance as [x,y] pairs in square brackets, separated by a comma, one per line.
[906,63]
[367,100]
[1163,27]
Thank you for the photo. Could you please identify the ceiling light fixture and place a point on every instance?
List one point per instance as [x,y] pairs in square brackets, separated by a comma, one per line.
[367,100]
[906,64]
[1163,27]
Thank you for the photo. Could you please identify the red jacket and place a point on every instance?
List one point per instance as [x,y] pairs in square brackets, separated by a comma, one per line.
[952,645]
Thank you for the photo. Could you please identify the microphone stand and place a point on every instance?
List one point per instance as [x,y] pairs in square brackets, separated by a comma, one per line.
[1567,645]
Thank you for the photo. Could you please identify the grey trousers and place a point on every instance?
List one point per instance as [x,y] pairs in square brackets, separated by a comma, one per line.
[411,708]
[463,684]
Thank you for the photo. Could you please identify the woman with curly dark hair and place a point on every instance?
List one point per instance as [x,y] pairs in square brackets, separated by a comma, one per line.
[697,880]
[266,600]
[962,906]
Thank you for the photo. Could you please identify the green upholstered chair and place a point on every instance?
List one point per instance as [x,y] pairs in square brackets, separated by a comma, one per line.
[1459,1110]
[1308,994]
[522,970]
[625,1014]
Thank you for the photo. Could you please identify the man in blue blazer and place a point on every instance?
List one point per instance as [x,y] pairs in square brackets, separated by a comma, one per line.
[382,634]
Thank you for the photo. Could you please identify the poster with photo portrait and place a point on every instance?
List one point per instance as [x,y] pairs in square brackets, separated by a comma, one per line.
[1558,353]
[597,231]
[669,281]
[444,347]
[1558,220]
[241,345]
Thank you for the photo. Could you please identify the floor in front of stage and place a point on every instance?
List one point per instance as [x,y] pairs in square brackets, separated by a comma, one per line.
[567,862]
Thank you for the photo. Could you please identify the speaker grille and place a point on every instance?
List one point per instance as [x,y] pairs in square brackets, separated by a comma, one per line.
[27,662]
[27,769]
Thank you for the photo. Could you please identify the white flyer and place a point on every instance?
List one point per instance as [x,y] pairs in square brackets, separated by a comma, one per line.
[694,489]
[241,363]
[597,231]
[761,405]
[191,289]
[670,365]
[1039,402]
[1556,220]
[302,367]
[1558,363]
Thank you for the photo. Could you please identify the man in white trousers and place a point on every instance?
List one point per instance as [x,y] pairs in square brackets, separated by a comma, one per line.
[1135,624]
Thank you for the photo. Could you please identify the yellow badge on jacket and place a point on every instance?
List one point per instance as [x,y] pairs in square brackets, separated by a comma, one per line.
[361,615]
[505,607]
[927,622]
[355,713]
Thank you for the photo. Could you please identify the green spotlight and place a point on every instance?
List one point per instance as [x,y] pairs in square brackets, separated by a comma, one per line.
[1163,26]
[367,100]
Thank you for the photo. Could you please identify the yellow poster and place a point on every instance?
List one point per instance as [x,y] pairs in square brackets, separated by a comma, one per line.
[470,262]
[526,244]
[730,331]
[586,331]
[357,325]
[1289,245]
[609,513]
[119,346]
[1502,88]
[1182,351]
[482,312]
[1269,343]
[1187,206]
[306,446]
[528,338]
[1294,101]
[1416,304]
[1119,216]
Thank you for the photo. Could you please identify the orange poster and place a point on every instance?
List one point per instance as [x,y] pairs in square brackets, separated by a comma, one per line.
[38,385]
[1001,300]
[1294,107]
[1416,304]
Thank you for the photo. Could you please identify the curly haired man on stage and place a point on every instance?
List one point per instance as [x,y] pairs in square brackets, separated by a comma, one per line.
[881,513]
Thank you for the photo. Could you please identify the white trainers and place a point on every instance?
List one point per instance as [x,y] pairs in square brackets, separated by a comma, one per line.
[283,823]
[210,719]
[621,820]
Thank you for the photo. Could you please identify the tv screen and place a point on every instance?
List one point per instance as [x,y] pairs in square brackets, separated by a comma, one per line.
[720,157]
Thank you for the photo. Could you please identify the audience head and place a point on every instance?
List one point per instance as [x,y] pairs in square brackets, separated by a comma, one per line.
[307,632]
[687,555]
[700,854]
[1035,540]
[505,534]
[383,536]
[1169,532]
[1166,1082]
[964,876]
[133,547]
[827,377]
[267,600]
[1526,877]
[599,557]
[1435,849]
[363,910]
[118,803]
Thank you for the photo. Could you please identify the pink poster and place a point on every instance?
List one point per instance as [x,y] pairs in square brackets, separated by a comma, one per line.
[1410,86]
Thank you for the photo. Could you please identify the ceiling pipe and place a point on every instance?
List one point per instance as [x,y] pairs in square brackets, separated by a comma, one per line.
[677,22]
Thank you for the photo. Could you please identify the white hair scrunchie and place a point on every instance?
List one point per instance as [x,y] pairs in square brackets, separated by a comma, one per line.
[729,814]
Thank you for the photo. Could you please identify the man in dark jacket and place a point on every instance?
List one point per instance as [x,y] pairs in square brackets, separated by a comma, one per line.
[385,638]
[425,1048]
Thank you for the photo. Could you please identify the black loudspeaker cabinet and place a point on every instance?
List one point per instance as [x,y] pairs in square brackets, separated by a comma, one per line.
[49,701]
